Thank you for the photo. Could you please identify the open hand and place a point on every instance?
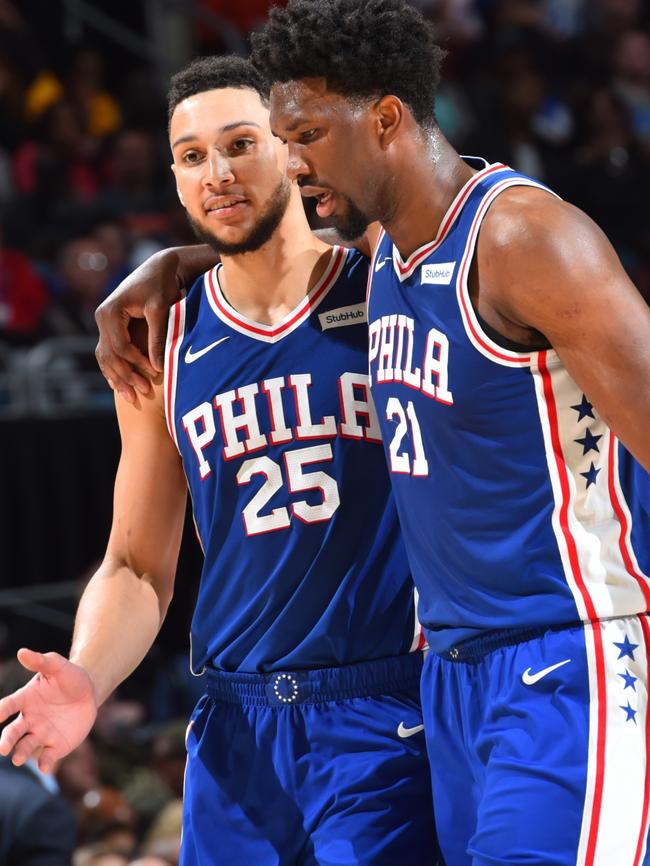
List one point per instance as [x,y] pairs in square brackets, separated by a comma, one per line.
[57,709]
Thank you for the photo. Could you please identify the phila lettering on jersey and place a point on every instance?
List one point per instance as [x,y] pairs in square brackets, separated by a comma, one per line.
[519,506]
[304,563]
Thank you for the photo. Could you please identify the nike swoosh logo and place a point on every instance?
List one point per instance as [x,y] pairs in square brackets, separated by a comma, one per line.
[403,731]
[190,356]
[380,265]
[529,679]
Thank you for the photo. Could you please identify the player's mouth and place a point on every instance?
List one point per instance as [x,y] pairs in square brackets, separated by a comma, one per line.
[325,199]
[326,204]
[222,207]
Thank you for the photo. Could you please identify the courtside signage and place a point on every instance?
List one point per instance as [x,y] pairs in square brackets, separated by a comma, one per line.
[439,274]
[343,316]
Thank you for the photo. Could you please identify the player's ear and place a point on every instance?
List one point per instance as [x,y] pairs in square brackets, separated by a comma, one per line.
[389,116]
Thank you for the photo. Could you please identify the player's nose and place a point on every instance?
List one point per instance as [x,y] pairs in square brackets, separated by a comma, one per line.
[297,167]
[218,170]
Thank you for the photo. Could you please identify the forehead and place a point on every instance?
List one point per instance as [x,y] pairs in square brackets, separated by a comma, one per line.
[208,112]
[299,101]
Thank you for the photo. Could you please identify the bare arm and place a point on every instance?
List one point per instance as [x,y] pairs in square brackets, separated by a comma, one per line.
[123,605]
[131,591]
[545,266]
[147,293]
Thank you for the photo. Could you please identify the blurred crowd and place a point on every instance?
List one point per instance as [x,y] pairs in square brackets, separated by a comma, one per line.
[560,89]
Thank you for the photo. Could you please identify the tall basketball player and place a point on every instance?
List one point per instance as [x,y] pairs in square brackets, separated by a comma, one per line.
[308,746]
[508,352]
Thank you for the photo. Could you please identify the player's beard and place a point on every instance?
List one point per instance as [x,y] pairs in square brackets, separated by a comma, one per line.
[261,232]
[353,223]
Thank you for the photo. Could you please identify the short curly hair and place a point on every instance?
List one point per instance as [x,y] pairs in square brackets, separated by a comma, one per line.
[214,73]
[363,48]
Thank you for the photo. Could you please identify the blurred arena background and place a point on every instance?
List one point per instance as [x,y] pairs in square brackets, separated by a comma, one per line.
[559,89]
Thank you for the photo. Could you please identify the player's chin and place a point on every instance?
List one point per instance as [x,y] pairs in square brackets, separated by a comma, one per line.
[238,220]
[348,227]
[235,232]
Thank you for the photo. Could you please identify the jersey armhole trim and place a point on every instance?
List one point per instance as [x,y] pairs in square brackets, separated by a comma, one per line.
[373,260]
[476,334]
[175,334]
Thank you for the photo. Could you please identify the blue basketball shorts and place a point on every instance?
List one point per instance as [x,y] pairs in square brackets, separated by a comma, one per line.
[310,767]
[538,746]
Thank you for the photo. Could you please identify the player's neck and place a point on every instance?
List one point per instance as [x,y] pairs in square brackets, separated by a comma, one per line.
[266,285]
[427,181]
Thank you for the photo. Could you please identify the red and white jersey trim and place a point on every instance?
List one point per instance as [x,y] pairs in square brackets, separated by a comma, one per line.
[419,641]
[273,333]
[404,269]
[591,519]
[475,333]
[175,333]
[373,261]
[614,827]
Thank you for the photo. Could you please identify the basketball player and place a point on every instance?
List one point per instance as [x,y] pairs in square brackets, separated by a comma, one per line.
[308,745]
[508,352]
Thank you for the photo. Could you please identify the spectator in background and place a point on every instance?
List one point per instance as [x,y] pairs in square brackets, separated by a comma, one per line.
[163,841]
[83,86]
[59,163]
[104,817]
[99,855]
[169,756]
[616,16]
[610,177]
[137,192]
[245,16]
[12,85]
[151,861]
[82,274]
[631,81]
[37,826]
[23,297]
[77,774]
[114,239]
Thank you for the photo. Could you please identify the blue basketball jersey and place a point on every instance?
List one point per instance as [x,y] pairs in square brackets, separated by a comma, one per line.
[518,505]
[304,563]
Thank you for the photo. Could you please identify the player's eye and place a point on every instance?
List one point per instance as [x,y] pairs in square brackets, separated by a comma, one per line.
[308,135]
[242,145]
[191,157]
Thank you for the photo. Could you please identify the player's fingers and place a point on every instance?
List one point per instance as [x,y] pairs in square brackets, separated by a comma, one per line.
[25,748]
[11,734]
[41,663]
[120,372]
[9,706]
[115,340]
[156,316]
[47,759]
[115,374]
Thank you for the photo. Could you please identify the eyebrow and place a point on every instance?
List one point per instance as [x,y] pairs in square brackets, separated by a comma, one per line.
[227,128]
[291,127]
